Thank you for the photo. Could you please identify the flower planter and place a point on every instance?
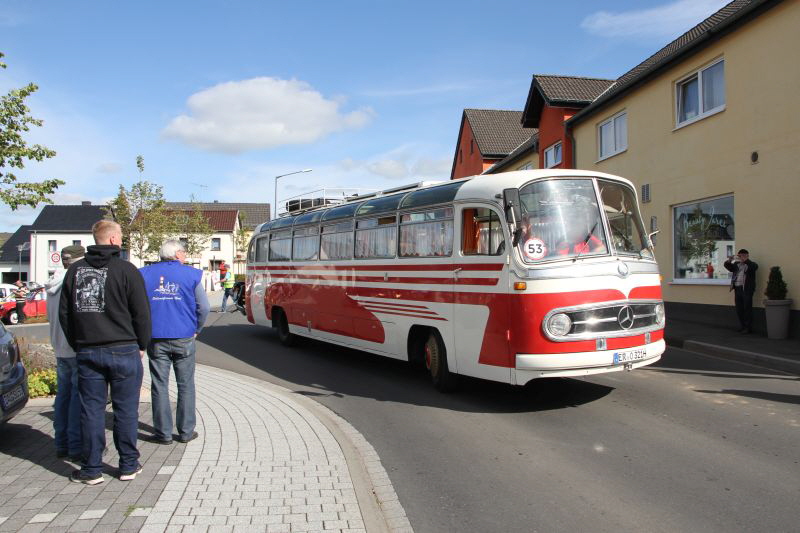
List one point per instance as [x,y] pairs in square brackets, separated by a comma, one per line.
[777,313]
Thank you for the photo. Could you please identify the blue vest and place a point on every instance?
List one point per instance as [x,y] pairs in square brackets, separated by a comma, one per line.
[170,289]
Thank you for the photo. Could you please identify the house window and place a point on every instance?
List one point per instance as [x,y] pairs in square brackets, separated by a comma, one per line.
[703,235]
[526,166]
[701,94]
[552,155]
[52,246]
[216,244]
[76,243]
[612,135]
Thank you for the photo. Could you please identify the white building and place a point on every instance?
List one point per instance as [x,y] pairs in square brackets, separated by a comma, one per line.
[15,256]
[56,227]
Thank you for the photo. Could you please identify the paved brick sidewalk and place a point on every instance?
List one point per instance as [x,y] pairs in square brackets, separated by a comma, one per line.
[265,461]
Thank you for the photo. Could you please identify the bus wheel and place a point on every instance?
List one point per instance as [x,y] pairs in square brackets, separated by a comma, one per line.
[286,337]
[435,357]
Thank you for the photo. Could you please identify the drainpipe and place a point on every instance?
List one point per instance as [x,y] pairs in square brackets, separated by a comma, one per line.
[574,148]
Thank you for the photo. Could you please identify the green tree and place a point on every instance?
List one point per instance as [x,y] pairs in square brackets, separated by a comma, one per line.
[241,238]
[193,227]
[119,210]
[15,120]
[141,214]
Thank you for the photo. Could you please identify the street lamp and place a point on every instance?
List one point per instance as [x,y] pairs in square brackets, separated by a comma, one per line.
[275,207]
[20,248]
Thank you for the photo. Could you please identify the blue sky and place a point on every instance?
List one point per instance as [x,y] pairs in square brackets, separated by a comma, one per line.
[219,97]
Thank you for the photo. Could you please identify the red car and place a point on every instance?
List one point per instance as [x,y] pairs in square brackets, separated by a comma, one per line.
[36,306]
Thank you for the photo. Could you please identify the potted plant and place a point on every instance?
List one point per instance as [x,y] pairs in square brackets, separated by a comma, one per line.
[776,306]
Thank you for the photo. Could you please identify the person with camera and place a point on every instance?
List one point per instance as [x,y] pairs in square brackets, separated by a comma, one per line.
[743,285]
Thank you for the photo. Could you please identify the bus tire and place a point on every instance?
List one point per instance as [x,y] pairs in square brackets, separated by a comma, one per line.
[435,357]
[286,337]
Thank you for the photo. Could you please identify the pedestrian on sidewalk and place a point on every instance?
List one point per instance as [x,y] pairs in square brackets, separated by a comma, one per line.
[743,285]
[106,319]
[20,297]
[67,406]
[179,308]
[227,280]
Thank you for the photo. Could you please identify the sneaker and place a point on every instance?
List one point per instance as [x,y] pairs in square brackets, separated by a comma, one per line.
[155,439]
[79,476]
[191,437]
[128,476]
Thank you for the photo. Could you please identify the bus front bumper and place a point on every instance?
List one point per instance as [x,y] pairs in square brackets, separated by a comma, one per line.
[531,366]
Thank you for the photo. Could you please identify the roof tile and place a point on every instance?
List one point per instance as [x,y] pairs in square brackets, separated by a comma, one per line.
[497,132]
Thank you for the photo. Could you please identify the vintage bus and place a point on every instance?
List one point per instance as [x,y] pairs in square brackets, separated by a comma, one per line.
[506,277]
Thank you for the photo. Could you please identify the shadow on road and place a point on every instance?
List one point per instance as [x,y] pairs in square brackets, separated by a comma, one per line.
[761,395]
[330,370]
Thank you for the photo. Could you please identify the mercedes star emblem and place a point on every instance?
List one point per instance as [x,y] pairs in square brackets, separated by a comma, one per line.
[623,269]
[625,317]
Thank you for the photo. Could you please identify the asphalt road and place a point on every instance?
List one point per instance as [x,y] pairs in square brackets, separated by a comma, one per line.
[694,444]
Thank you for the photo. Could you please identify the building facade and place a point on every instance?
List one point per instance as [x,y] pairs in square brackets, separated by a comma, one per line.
[708,130]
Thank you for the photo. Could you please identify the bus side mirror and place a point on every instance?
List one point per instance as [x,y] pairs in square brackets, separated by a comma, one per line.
[511,206]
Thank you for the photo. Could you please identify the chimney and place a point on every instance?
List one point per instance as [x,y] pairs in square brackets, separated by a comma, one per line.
[86,202]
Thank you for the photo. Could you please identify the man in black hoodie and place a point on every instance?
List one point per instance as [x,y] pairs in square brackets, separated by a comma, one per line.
[105,315]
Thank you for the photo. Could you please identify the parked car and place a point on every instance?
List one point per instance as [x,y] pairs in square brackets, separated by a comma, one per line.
[36,306]
[13,377]
[6,294]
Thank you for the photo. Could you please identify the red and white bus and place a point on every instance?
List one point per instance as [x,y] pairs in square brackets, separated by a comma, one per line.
[507,277]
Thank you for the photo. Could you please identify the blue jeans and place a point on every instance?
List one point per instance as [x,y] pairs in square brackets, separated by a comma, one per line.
[99,367]
[228,294]
[67,407]
[178,354]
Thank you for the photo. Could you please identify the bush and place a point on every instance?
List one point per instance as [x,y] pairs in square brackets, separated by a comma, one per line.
[42,383]
[776,287]
[239,277]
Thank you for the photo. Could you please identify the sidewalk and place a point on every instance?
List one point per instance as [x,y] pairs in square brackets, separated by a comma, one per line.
[783,355]
[266,460]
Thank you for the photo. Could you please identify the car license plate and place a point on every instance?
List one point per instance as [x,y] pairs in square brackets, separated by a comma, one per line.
[12,397]
[628,356]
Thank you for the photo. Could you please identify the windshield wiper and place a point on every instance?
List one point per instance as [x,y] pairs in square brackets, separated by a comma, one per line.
[586,240]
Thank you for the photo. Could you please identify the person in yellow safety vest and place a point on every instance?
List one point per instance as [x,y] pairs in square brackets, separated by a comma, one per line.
[227,284]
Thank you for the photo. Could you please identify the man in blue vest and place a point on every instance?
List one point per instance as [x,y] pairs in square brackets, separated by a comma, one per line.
[179,308]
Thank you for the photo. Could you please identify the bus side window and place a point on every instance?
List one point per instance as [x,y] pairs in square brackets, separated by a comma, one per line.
[261,249]
[251,251]
[482,233]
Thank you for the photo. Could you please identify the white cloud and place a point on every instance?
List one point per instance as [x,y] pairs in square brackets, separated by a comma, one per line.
[109,168]
[260,113]
[668,20]
[388,168]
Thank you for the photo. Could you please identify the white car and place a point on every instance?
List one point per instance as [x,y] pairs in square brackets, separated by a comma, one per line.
[6,292]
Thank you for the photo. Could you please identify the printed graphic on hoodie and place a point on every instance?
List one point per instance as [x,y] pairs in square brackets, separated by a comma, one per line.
[90,289]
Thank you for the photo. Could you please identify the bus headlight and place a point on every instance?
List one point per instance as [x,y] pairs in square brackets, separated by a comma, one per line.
[559,325]
[659,311]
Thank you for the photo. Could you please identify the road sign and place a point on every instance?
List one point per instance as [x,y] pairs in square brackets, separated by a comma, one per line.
[55,259]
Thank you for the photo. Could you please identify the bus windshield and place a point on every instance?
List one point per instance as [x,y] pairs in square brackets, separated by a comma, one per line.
[625,226]
[561,219]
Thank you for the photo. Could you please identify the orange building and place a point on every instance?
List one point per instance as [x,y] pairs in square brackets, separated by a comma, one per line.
[551,101]
[485,137]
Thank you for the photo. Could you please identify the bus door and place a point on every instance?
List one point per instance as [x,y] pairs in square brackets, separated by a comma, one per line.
[481,318]
[257,281]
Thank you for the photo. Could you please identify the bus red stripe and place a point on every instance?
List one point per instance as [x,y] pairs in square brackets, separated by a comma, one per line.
[492,267]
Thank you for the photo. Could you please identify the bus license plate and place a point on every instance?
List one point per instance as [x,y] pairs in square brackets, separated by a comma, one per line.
[628,356]
[12,397]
